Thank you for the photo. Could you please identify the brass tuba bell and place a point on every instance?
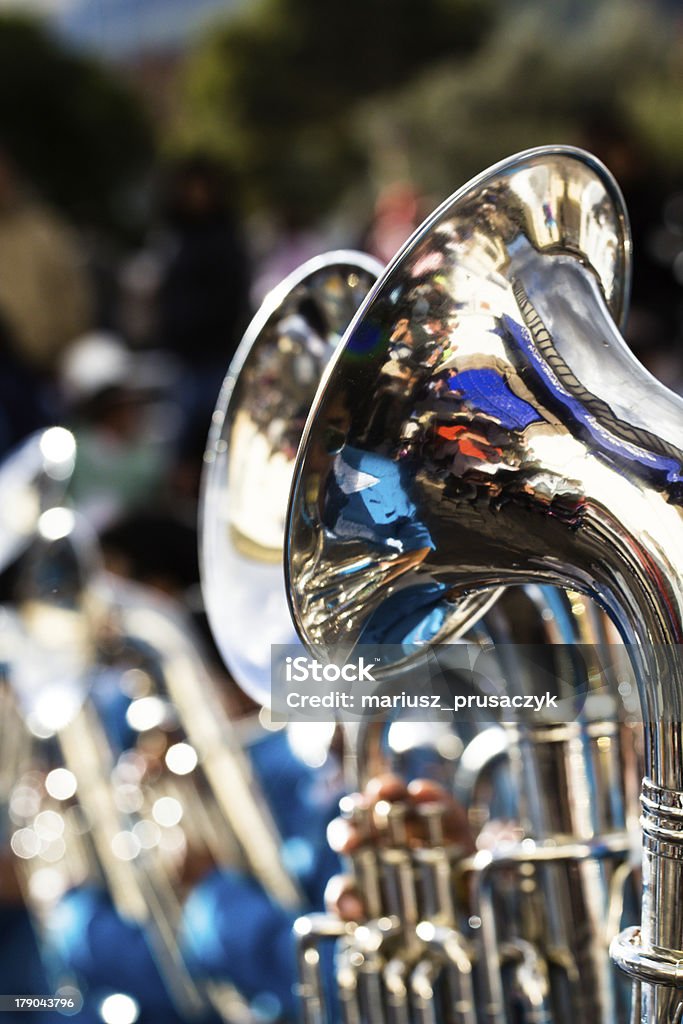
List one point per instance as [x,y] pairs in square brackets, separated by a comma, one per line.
[484,424]
[250,453]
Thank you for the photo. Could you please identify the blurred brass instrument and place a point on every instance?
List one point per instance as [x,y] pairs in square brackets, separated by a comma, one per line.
[71,826]
[506,436]
[257,426]
[255,433]
[86,810]
[519,931]
[181,790]
[32,479]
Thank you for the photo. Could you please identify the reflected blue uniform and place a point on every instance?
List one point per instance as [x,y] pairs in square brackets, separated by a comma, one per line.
[369,498]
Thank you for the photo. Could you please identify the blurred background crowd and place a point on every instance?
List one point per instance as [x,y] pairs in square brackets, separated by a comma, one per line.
[163,164]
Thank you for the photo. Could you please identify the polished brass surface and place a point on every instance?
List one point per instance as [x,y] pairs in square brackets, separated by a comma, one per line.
[484,424]
[422,464]
[520,931]
[250,454]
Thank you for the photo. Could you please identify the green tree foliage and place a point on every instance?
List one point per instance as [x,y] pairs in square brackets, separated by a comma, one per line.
[579,73]
[275,89]
[76,133]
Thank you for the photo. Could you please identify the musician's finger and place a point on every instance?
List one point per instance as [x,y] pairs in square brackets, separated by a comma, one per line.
[343,899]
[453,816]
[387,787]
[342,836]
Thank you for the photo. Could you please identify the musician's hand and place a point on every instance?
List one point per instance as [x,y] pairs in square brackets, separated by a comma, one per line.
[343,899]
[341,895]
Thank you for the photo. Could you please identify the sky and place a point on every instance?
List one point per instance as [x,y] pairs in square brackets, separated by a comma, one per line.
[124,27]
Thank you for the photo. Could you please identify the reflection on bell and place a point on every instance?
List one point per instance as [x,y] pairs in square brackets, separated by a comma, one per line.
[436,409]
[251,449]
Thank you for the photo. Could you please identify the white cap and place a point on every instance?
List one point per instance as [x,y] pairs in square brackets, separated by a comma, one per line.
[96,361]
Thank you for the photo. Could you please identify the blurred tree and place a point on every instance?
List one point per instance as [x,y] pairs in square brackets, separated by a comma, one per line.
[76,133]
[274,90]
[544,75]
[602,74]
